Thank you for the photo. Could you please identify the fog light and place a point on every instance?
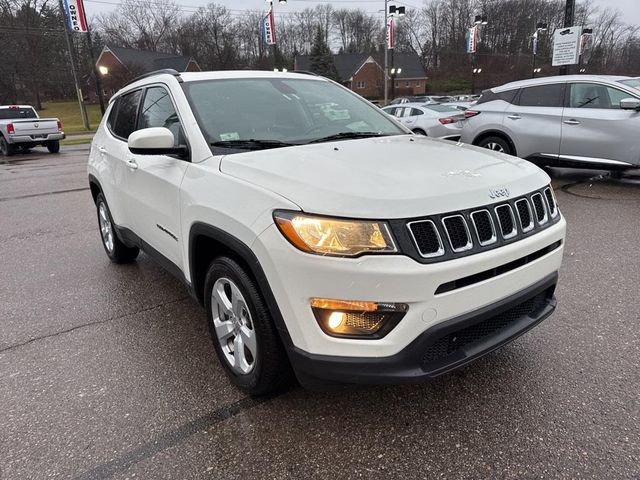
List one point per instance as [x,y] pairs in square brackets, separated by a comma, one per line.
[357,319]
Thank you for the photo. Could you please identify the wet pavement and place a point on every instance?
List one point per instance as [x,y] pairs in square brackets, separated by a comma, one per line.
[108,371]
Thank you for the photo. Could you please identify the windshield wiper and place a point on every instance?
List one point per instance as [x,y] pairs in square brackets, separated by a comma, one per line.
[347,135]
[251,144]
[589,100]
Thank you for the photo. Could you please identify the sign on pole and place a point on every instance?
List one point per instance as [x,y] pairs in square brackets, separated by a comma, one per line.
[566,46]
[76,18]
[472,39]
[269,28]
[390,33]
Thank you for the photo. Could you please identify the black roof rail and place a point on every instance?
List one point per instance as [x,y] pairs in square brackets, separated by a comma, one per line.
[167,71]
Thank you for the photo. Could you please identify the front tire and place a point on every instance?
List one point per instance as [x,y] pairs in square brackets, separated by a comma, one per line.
[6,148]
[115,249]
[497,144]
[242,330]
[53,146]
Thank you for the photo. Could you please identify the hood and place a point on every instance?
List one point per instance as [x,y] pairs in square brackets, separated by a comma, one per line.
[386,177]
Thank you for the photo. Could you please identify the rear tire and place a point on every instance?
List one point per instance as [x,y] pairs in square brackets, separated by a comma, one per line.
[6,148]
[115,249]
[53,146]
[497,144]
[242,330]
[419,131]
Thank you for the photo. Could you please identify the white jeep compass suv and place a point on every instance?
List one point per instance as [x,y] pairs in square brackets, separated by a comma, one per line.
[322,237]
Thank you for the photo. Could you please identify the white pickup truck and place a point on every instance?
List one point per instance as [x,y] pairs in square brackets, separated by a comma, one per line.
[20,126]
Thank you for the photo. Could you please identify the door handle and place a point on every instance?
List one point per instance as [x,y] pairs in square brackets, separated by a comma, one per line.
[572,122]
[131,163]
[102,150]
[514,117]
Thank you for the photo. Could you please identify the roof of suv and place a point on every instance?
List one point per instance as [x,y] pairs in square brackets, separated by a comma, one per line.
[558,78]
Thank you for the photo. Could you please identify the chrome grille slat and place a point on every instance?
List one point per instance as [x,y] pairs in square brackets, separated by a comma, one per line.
[551,202]
[483,217]
[541,211]
[455,226]
[525,216]
[427,238]
[503,212]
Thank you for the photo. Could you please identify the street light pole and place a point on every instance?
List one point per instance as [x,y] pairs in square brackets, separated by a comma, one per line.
[386,50]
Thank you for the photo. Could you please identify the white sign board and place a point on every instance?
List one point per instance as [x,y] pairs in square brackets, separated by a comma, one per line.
[566,46]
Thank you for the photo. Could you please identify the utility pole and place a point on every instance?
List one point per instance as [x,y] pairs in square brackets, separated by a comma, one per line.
[569,14]
[83,111]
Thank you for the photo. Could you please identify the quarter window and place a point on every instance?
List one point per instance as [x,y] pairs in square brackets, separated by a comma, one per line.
[543,96]
[415,112]
[592,95]
[158,111]
[125,122]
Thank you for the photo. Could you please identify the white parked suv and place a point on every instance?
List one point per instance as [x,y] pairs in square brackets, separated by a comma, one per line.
[337,246]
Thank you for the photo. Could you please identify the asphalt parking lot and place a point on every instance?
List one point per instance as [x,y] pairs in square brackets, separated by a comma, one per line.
[108,371]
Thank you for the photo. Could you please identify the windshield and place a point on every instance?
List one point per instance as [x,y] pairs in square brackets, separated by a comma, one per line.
[17,112]
[252,113]
[632,82]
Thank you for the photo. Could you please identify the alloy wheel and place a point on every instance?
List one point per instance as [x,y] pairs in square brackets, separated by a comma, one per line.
[106,229]
[496,147]
[233,326]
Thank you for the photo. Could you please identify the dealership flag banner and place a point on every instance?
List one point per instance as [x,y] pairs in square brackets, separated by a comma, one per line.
[390,34]
[269,28]
[472,39]
[76,18]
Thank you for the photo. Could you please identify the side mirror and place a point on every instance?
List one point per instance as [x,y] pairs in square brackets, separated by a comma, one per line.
[630,104]
[154,141]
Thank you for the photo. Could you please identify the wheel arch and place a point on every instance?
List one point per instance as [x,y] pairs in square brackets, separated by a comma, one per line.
[496,133]
[206,243]
[95,187]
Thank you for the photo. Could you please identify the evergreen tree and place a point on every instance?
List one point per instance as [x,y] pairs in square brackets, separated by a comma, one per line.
[321,59]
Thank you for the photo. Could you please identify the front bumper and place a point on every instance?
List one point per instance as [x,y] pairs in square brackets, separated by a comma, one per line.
[441,348]
[14,139]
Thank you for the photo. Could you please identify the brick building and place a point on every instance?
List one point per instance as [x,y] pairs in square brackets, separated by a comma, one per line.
[118,65]
[364,74]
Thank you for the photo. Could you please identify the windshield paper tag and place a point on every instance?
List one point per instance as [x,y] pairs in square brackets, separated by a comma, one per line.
[229,136]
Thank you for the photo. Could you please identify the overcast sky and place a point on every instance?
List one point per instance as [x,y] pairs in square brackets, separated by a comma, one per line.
[630,8]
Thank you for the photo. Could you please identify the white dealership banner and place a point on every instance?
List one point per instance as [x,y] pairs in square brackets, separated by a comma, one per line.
[269,28]
[76,18]
[566,46]
[472,39]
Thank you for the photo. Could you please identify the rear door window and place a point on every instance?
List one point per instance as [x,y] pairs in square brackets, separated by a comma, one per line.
[125,122]
[543,96]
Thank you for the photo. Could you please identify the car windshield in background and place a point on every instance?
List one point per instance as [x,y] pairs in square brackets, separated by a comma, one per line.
[632,82]
[242,114]
[14,112]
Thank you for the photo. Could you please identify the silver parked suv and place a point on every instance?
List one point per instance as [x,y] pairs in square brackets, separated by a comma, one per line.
[581,120]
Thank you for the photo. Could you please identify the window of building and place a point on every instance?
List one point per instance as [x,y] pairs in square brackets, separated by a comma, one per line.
[361,84]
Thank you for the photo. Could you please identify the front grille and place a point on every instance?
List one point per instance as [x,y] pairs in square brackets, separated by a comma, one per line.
[452,343]
[457,233]
[506,220]
[484,227]
[524,214]
[538,206]
[426,236]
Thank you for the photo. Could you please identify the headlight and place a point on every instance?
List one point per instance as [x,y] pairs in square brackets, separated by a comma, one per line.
[334,236]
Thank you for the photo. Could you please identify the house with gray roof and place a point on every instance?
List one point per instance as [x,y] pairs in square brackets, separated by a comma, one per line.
[364,73]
